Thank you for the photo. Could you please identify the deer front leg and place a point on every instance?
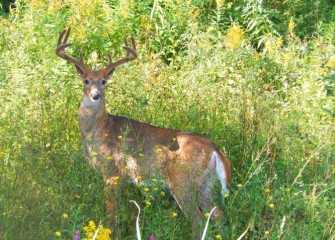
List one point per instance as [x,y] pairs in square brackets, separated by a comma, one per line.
[112,193]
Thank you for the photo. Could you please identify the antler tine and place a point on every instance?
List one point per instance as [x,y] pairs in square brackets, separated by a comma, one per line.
[60,50]
[109,58]
[81,57]
[67,34]
[131,55]
[133,43]
[61,37]
[132,49]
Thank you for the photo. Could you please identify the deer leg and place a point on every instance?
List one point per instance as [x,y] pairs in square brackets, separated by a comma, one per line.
[186,195]
[206,200]
[112,193]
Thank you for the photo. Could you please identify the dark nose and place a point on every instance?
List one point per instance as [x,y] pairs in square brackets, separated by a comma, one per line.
[96,96]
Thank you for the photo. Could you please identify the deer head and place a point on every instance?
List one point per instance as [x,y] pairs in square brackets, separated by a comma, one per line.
[94,81]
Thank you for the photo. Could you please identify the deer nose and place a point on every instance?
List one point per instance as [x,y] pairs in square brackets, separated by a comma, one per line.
[96,96]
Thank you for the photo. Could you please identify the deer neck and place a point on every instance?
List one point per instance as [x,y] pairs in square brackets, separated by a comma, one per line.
[91,116]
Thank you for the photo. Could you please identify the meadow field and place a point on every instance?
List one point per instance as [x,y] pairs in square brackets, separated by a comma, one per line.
[257,77]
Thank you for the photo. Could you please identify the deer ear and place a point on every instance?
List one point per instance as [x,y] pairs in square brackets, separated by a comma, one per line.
[80,72]
[110,73]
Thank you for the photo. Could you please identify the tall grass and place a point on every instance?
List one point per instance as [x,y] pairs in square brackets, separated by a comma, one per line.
[271,112]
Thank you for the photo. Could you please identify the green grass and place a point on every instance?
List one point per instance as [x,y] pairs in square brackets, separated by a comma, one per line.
[271,112]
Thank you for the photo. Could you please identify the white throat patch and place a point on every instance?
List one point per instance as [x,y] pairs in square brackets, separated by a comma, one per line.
[89,102]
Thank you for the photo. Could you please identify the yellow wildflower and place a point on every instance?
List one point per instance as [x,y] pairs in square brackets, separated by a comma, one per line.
[127,167]
[158,150]
[234,37]
[154,179]
[148,203]
[113,180]
[94,154]
[65,215]
[271,205]
[218,236]
[155,189]
[273,44]
[120,137]
[226,195]
[146,189]
[268,190]
[174,214]
[291,26]
[162,193]
[109,158]
[141,154]
[58,234]
[266,232]
[239,185]
[103,233]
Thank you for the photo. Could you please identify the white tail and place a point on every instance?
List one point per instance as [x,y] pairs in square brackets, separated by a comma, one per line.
[186,161]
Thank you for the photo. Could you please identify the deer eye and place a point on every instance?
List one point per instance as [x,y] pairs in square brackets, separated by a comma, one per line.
[86,82]
[103,82]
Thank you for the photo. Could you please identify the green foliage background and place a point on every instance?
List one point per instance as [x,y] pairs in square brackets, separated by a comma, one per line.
[257,77]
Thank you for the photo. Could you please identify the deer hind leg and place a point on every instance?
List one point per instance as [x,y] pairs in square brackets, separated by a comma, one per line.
[189,205]
[214,172]
[186,196]
[206,200]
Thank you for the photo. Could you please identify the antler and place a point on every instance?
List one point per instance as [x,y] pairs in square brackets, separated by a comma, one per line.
[60,51]
[131,55]
[62,44]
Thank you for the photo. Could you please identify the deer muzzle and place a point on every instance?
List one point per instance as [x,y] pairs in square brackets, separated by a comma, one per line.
[95,95]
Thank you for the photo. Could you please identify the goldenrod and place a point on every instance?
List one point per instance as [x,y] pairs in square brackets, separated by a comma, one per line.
[234,37]
[103,233]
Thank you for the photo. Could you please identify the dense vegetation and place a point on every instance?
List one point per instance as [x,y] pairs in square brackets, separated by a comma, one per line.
[257,77]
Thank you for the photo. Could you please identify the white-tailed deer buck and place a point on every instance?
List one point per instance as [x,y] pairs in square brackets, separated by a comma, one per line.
[120,146]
